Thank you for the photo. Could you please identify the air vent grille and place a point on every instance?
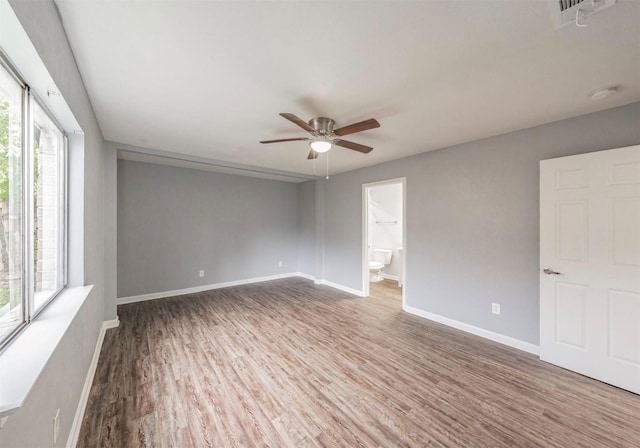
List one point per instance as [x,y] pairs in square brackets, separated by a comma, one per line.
[566,4]
[565,11]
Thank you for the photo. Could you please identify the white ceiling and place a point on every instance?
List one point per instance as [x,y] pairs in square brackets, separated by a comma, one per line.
[208,78]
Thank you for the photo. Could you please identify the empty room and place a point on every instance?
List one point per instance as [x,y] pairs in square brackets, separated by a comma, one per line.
[320,223]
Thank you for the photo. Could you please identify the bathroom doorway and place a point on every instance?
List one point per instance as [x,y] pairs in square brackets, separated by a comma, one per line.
[383,248]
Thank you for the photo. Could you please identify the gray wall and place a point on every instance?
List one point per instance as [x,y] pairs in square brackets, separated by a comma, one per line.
[472,219]
[60,384]
[173,222]
[307,227]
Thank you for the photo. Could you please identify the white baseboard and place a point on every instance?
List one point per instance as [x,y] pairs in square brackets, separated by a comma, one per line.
[88,381]
[331,284]
[353,291]
[307,276]
[181,292]
[390,277]
[496,337]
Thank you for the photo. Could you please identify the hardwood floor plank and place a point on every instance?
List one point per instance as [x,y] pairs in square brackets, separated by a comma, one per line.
[292,364]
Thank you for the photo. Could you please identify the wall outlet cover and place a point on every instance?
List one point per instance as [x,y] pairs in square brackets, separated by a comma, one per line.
[495,308]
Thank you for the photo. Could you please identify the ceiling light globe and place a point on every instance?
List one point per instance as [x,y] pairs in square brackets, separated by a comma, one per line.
[320,145]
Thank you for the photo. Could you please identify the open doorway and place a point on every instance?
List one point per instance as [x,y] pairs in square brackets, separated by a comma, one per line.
[383,243]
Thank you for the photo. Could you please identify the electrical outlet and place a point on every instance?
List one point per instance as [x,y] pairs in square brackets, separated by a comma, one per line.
[495,308]
[56,427]
[201,273]
[280,263]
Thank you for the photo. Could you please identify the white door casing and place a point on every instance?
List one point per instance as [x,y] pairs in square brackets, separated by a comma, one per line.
[365,234]
[590,249]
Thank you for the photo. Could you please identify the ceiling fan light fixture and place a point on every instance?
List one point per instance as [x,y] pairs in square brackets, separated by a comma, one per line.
[320,144]
[324,136]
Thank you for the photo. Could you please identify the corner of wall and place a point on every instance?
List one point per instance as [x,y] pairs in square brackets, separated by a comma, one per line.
[110,230]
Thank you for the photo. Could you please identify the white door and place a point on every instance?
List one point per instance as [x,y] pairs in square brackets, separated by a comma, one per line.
[590,265]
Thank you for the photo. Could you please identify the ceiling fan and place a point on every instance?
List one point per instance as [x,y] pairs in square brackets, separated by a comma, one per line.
[324,136]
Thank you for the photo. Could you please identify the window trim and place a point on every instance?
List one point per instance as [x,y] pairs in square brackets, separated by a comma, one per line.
[27,192]
[62,219]
[4,63]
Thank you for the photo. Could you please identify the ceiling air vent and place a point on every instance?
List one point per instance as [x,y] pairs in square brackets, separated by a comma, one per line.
[576,11]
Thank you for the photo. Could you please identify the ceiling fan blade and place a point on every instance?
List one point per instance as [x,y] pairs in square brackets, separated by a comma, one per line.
[371,123]
[284,140]
[312,155]
[354,146]
[295,120]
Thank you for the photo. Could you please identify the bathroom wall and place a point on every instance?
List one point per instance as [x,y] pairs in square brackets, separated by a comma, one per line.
[385,223]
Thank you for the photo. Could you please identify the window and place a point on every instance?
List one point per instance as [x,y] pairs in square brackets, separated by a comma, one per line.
[32,206]
[12,304]
[48,208]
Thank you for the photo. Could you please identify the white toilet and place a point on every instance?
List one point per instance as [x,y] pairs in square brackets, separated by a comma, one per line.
[379,259]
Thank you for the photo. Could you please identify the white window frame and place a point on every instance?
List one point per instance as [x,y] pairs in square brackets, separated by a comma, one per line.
[62,218]
[29,99]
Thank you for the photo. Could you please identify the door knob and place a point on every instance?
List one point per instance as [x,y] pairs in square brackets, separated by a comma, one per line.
[551,272]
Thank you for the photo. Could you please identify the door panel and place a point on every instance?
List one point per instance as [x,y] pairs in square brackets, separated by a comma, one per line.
[571,314]
[625,173]
[625,232]
[590,246]
[574,230]
[571,179]
[624,312]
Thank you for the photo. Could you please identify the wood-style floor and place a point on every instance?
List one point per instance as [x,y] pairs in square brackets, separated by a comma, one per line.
[291,364]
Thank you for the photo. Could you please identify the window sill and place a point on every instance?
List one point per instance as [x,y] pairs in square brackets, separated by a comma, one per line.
[25,358]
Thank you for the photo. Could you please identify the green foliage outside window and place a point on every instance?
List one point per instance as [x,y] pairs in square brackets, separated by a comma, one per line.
[4,149]
[5,295]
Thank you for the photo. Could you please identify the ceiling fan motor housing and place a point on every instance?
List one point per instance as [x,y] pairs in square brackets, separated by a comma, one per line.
[322,125]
